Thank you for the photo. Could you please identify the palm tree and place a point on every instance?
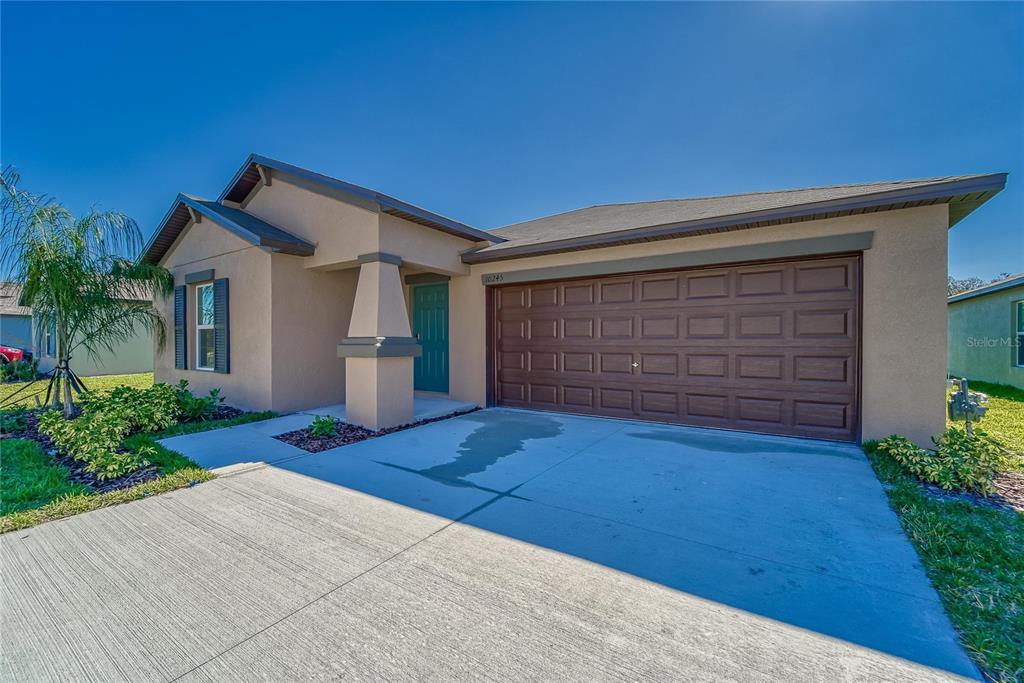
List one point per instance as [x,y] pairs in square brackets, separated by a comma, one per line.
[79,276]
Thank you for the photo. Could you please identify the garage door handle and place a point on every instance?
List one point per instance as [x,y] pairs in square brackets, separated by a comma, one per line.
[635,364]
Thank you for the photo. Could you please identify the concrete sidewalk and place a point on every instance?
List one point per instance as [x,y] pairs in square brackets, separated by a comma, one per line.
[500,544]
[254,443]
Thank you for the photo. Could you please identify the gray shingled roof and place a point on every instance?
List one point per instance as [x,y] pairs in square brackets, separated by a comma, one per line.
[248,177]
[10,294]
[245,225]
[252,228]
[991,288]
[608,224]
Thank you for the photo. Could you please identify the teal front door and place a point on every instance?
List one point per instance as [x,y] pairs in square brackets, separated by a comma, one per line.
[430,327]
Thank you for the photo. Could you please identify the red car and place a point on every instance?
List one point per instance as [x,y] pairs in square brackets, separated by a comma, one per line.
[9,354]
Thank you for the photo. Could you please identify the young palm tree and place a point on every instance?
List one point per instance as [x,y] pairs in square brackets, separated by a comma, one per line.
[79,276]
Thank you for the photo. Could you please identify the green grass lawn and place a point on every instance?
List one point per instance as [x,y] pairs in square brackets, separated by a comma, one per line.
[974,555]
[28,479]
[28,391]
[34,490]
[1005,417]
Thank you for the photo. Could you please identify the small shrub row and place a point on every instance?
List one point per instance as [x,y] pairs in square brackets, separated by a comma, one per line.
[958,462]
[96,438]
[196,408]
[13,420]
[19,370]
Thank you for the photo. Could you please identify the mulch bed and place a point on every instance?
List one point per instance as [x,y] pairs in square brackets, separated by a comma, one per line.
[348,434]
[226,413]
[31,431]
[76,468]
[78,475]
[1009,493]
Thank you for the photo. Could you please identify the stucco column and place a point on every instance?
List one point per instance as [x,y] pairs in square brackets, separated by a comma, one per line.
[379,348]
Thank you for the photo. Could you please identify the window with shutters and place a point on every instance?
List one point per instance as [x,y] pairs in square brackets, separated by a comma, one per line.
[205,348]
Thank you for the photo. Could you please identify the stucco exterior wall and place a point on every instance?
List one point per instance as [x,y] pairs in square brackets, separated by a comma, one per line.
[311,312]
[904,318]
[982,334]
[340,231]
[423,247]
[206,245]
[134,355]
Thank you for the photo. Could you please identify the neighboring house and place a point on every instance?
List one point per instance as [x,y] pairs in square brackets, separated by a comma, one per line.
[986,332]
[818,312]
[15,319]
[18,329]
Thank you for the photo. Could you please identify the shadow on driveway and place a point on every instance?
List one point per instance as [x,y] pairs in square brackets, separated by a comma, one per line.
[795,530]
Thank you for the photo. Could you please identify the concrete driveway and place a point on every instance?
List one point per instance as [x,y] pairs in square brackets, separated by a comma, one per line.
[496,545]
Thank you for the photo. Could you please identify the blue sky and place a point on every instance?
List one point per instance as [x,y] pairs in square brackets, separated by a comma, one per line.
[498,113]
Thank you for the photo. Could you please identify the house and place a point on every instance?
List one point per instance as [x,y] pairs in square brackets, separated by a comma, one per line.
[818,312]
[986,332]
[18,329]
[15,319]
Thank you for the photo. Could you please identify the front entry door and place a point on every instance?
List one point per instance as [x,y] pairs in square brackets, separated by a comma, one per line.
[430,327]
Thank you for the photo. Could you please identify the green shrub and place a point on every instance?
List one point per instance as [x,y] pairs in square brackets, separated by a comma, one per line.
[94,439]
[13,420]
[196,408]
[323,427]
[19,370]
[959,461]
[143,410]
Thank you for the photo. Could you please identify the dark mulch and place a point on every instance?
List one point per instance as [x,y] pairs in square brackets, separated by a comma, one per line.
[78,475]
[31,431]
[76,468]
[348,434]
[1009,493]
[226,413]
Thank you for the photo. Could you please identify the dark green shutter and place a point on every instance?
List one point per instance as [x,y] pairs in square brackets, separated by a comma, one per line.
[180,345]
[221,336]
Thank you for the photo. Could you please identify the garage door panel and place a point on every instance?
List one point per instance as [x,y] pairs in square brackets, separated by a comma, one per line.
[832,277]
[616,328]
[763,347]
[578,295]
[659,288]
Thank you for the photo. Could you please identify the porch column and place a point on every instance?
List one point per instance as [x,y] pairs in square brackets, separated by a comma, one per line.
[379,348]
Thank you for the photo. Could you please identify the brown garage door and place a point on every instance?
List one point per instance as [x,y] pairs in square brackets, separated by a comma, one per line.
[766,347]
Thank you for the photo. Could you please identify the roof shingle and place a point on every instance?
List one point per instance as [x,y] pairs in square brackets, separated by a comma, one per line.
[608,224]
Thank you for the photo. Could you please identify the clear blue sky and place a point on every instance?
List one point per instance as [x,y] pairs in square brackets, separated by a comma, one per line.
[497,113]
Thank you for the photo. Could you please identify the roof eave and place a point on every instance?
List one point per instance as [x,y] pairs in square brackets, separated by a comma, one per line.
[145,255]
[972,192]
[1009,283]
[293,248]
[384,202]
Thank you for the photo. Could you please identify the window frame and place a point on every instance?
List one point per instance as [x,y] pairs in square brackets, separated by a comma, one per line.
[199,326]
[1018,352]
[50,340]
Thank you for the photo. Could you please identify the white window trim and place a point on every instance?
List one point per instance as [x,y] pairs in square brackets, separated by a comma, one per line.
[199,303]
[1018,311]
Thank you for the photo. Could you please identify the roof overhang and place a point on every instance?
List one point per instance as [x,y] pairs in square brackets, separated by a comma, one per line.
[187,209]
[992,288]
[962,196]
[258,170]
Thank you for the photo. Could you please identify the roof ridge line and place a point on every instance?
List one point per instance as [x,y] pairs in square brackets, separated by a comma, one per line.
[935,179]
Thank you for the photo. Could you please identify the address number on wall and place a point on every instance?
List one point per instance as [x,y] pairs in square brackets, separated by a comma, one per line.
[493,278]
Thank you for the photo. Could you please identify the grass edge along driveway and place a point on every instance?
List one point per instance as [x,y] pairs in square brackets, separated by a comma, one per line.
[973,555]
[33,489]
